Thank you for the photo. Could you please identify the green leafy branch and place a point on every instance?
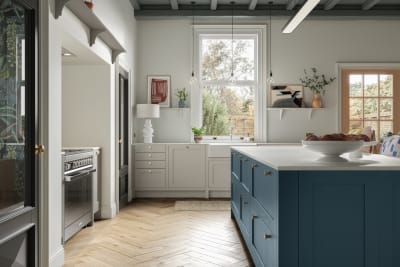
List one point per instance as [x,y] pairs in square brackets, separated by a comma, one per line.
[316,82]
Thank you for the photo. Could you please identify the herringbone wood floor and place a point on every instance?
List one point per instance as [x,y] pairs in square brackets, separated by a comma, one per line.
[151,233]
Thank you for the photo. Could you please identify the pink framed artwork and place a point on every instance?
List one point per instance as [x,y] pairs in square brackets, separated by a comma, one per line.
[159,90]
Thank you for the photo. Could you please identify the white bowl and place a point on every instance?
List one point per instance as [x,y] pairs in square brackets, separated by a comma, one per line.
[332,149]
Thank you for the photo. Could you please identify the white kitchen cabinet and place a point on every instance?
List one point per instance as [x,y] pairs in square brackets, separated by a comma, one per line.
[187,166]
[150,167]
[219,173]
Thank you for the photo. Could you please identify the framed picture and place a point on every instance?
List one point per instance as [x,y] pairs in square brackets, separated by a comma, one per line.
[159,90]
[286,96]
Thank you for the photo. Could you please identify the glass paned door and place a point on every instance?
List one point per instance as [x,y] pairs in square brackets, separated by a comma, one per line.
[18,91]
[369,98]
[12,107]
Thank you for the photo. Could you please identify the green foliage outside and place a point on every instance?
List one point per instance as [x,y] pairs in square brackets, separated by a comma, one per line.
[369,108]
[223,104]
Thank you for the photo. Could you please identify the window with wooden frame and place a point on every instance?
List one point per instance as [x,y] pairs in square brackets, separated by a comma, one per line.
[371,97]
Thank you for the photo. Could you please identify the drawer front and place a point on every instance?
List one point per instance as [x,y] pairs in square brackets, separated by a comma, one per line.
[150,148]
[235,165]
[149,156]
[150,178]
[264,242]
[235,195]
[150,164]
[246,212]
[247,173]
[265,188]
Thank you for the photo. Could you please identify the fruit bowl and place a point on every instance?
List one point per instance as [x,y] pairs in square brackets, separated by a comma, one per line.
[331,150]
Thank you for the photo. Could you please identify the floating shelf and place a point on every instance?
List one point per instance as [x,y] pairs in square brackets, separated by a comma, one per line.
[283,110]
[97,28]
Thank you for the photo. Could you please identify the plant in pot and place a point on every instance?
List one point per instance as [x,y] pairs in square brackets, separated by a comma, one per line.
[316,83]
[198,134]
[182,95]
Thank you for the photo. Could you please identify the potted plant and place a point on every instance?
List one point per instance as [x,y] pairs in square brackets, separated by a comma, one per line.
[316,83]
[198,134]
[182,95]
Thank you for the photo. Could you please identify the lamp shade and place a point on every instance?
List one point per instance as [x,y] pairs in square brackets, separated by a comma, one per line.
[147,111]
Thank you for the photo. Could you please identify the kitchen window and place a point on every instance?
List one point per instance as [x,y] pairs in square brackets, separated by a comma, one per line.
[371,97]
[229,102]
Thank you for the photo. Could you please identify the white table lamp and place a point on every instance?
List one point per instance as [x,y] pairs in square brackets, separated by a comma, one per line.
[148,112]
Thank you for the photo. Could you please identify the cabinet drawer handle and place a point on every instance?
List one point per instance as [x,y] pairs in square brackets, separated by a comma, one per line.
[245,202]
[266,173]
[149,155]
[246,160]
[187,147]
[267,236]
[253,217]
[255,166]
[149,147]
[149,163]
[149,171]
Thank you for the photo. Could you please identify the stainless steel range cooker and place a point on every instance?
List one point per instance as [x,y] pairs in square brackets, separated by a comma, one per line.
[77,190]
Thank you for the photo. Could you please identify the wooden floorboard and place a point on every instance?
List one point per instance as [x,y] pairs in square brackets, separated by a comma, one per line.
[150,233]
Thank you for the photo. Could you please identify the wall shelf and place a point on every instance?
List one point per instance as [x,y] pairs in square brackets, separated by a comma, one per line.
[282,111]
[97,28]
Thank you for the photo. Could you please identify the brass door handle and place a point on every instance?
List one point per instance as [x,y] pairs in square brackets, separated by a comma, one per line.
[266,173]
[120,141]
[267,236]
[39,149]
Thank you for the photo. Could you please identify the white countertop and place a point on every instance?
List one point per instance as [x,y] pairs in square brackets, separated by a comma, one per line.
[299,158]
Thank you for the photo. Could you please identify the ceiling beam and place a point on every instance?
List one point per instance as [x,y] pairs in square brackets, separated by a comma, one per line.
[214,4]
[253,4]
[331,4]
[174,4]
[345,11]
[369,4]
[135,4]
[291,4]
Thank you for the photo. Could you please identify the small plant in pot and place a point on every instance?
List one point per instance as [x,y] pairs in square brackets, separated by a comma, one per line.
[316,83]
[198,134]
[182,95]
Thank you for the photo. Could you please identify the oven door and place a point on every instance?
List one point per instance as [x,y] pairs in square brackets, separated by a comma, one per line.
[78,206]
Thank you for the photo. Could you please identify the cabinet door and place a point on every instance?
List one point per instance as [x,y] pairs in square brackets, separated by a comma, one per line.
[345,219]
[187,166]
[219,173]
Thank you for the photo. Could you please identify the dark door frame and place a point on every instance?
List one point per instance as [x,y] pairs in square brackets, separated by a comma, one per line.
[125,74]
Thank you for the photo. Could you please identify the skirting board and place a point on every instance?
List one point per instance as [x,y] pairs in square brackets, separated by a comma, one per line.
[57,260]
[182,194]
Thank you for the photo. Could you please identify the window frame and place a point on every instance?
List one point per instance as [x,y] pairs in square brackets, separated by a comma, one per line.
[381,69]
[257,32]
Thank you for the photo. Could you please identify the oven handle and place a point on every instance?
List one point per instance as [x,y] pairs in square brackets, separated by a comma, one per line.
[68,178]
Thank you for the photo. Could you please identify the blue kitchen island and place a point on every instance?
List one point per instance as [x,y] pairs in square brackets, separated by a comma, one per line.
[294,211]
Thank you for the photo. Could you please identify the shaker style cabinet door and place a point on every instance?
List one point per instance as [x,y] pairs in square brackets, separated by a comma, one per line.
[187,166]
[346,221]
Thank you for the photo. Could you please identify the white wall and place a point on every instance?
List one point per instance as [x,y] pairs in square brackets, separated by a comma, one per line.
[164,48]
[86,119]
[118,17]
